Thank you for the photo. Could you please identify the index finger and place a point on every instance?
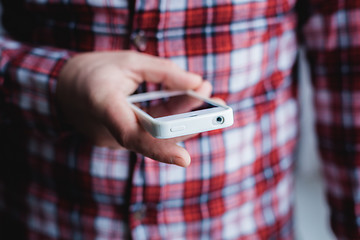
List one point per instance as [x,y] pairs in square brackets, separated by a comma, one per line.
[159,70]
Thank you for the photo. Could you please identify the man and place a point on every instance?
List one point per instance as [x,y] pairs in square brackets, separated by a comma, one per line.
[77,165]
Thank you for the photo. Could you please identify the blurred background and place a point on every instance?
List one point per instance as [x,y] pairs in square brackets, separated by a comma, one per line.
[311,211]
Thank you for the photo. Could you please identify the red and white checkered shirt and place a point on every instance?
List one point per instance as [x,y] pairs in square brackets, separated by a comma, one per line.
[55,185]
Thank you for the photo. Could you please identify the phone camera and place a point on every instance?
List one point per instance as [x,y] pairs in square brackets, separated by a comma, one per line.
[220,120]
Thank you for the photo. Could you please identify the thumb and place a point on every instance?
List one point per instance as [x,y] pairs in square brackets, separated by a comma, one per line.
[162,150]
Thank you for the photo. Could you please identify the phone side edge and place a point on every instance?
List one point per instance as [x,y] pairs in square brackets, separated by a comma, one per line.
[153,126]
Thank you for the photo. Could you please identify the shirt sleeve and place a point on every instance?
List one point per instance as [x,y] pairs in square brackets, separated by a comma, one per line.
[28,78]
[332,39]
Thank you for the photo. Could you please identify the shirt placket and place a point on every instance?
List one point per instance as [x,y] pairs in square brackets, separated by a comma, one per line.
[145,26]
[145,21]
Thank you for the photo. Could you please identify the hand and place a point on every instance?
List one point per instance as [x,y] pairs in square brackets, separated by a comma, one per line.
[92,90]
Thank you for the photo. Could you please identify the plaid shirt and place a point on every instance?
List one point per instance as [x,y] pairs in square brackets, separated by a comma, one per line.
[55,185]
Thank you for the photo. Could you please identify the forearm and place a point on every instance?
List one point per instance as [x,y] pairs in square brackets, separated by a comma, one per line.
[28,79]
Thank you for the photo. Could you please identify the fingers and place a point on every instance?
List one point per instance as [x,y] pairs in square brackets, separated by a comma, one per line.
[97,85]
[218,100]
[204,89]
[158,70]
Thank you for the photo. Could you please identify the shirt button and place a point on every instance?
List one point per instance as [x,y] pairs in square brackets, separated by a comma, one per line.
[139,40]
[140,213]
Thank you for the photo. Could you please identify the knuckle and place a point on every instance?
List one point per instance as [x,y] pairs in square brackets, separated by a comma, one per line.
[153,155]
[121,139]
[198,78]
[131,56]
[125,139]
[170,64]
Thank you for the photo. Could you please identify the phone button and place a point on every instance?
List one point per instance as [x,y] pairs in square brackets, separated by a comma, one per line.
[177,128]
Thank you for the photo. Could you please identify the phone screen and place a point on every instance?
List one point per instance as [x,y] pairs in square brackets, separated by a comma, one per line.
[162,107]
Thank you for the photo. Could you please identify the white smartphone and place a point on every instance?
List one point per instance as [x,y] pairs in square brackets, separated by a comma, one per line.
[168,114]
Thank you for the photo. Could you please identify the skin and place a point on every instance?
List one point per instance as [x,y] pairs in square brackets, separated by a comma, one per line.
[91,94]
